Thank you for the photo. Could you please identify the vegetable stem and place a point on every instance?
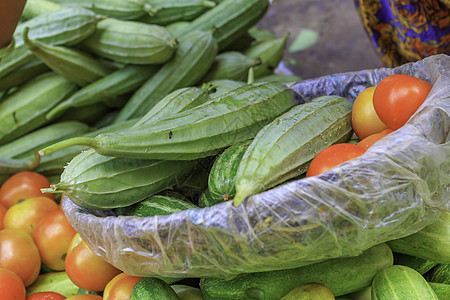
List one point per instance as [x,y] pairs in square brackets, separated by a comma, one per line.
[85,141]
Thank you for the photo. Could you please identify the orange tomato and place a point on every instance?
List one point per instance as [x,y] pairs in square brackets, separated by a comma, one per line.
[121,290]
[53,235]
[85,297]
[19,254]
[11,286]
[46,296]
[333,156]
[23,185]
[2,215]
[111,283]
[365,120]
[397,97]
[371,139]
[25,214]
[87,270]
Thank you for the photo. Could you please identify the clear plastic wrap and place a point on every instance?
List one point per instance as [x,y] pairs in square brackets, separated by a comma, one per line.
[396,188]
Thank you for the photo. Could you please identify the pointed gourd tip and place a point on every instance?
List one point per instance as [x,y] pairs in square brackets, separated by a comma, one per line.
[149,9]
[207,3]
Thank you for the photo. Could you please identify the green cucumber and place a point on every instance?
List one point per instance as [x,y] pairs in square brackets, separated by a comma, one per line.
[194,56]
[77,66]
[170,11]
[440,274]
[25,109]
[401,282]
[104,182]
[119,82]
[131,42]
[232,118]
[442,290]
[309,291]
[232,65]
[152,288]
[53,281]
[430,243]
[24,73]
[340,275]
[221,177]
[156,205]
[269,52]
[283,149]
[230,19]
[420,265]
[186,292]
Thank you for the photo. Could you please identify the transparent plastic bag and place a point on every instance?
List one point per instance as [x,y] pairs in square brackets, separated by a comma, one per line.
[400,185]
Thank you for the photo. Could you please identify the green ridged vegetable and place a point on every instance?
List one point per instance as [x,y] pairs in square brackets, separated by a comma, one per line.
[9,166]
[34,8]
[119,82]
[194,56]
[152,288]
[430,243]
[179,100]
[58,282]
[283,149]
[230,19]
[309,291]
[23,74]
[175,27]
[131,42]
[232,65]
[77,66]
[440,274]
[442,290]
[279,78]
[341,275]
[221,86]
[25,109]
[156,205]
[186,292]
[420,265]
[206,199]
[63,27]
[171,11]
[104,182]
[118,9]
[401,282]
[232,118]
[221,177]
[269,52]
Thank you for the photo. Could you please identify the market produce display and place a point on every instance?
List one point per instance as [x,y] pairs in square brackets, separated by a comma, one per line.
[149,150]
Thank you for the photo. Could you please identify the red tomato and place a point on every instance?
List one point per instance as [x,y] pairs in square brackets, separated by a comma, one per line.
[121,290]
[2,216]
[23,185]
[19,254]
[85,297]
[25,214]
[11,286]
[53,235]
[333,156]
[111,284]
[371,139]
[397,97]
[46,296]
[365,120]
[87,270]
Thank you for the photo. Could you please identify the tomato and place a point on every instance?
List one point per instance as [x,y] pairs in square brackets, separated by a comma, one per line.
[19,254]
[23,185]
[397,97]
[11,286]
[87,270]
[121,290]
[111,283]
[367,142]
[25,214]
[365,120]
[85,297]
[46,296]
[333,156]
[2,215]
[53,235]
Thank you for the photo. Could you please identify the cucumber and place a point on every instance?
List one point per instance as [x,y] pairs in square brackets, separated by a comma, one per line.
[442,290]
[194,56]
[232,118]
[430,243]
[53,281]
[25,109]
[282,149]
[420,265]
[440,274]
[155,205]
[221,177]
[340,275]
[104,182]
[186,292]
[131,42]
[309,291]
[152,288]
[401,282]
[24,73]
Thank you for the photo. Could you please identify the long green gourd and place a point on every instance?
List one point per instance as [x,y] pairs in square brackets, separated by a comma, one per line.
[34,8]
[282,149]
[198,132]
[117,83]
[22,74]
[9,166]
[77,66]
[230,19]
[194,56]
